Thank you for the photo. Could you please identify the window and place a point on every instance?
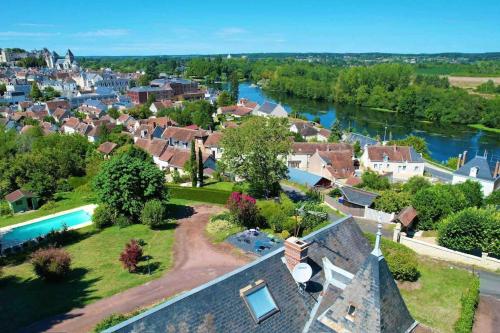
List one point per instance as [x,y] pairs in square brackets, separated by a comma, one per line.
[335,275]
[259,301]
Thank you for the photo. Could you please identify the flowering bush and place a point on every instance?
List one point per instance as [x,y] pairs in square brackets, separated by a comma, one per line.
[243,209]
[131,255]
[51,264]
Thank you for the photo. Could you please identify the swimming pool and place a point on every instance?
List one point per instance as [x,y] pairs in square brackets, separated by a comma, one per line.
[25,232]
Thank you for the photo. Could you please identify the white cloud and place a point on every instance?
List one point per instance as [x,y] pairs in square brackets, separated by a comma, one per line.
[27,34]
[103,33]
[36,25]
[230,32]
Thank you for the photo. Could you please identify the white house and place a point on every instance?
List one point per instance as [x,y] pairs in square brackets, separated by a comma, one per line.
[478,169]
[269,109]
[400,161]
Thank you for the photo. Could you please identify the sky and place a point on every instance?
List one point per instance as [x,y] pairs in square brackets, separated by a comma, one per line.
[173,27]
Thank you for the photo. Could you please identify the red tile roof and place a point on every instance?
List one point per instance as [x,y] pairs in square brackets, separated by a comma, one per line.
[394,153]
[18,194]
[309,148]
[407,216]
[213,140]
[340,163]
[107,147]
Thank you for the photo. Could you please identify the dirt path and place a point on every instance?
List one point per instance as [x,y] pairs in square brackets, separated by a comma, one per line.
[487,318]
[196,261]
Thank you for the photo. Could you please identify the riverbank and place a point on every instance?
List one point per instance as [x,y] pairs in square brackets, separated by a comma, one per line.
[485,128]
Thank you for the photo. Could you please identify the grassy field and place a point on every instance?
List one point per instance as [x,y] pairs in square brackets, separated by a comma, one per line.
[96,273]
[225,186]
[484,128]
[434,299]
[62,201]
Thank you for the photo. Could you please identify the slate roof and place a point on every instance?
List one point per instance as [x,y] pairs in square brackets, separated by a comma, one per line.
[218,307]
[18,194]
[362,139]
[358,196]
[303,177]
[480,162]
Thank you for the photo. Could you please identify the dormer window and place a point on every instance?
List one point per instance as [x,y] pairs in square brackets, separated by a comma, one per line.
[473,171]
[259,301]
[335,275]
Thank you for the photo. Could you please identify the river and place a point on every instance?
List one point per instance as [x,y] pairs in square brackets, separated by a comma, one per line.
[444,141]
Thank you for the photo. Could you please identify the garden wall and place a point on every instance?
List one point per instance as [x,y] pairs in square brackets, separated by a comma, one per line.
[440,252]
[375,215]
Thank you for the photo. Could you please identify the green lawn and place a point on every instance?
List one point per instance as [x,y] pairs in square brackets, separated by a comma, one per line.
[225,186]
[435,301]
[96,273]
[62,201]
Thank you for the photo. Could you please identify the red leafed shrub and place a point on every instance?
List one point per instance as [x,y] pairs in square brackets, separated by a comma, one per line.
[243,209]
[131,255]
[51,264]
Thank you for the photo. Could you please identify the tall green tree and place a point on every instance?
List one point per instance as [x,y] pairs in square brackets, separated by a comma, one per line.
[224,99]
[127,181]
[35,93]
[193,166]
[256,151]
[336,132]
[200,167]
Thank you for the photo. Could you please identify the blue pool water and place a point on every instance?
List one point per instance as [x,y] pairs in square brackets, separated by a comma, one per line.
[23,233]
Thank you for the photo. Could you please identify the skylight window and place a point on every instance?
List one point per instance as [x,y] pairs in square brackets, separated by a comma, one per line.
[259,301]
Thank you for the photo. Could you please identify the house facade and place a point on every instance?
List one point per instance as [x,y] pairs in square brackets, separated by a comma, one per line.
[401,162]
[479,170]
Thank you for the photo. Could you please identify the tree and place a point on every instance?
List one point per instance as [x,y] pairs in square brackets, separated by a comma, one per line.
[243,209]
[127,182]
[471,229]
[472,192]
[224,99]
[114,113]
[415,184]
[255,151]
[3,89]
[357,149]
[493,199]
[435,203]
[131,255]
[372,180]
[452,163]
[192,166]
[200,167]
[392,201]
[35,93]
[235,86]
[153,213]
[103,216]
[336,132]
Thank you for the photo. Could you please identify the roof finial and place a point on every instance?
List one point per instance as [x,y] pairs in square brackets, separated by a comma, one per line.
[376,250]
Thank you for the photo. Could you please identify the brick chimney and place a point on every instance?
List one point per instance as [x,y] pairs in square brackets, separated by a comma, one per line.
[464,156]
[295,251]
[497,170]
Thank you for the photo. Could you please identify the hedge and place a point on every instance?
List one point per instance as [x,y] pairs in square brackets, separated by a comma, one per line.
[469,302]
[402,261]
[199,194]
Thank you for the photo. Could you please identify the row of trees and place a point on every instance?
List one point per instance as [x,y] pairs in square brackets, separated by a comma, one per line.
[197,112]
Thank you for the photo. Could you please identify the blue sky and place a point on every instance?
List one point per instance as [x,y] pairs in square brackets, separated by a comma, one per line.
[204,27]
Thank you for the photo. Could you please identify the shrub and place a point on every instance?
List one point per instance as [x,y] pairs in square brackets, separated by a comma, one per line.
[391,201]
[313,215]
[243,210]
[51,264]
[493,199]
[314,194]
[285,234]
[49,205]
[153,214]
[415,184]
[131,255]
[469,301]
[103,216]
[278,221]
[122,221]
[336,192]
[471,229]
[219,230]
[372,180]
[472,193]
[109,321]
[5,209]
[402,261]
[63,186]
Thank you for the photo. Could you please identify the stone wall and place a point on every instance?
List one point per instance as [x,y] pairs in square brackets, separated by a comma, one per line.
[440,252]
[377,215]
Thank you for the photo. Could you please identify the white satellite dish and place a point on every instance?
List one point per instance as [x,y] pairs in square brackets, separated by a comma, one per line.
[302,273]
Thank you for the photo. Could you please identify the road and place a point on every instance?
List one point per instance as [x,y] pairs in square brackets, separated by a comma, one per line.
[370,226]
[439,173]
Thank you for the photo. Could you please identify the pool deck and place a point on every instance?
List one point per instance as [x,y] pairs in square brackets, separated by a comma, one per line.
[88,208]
